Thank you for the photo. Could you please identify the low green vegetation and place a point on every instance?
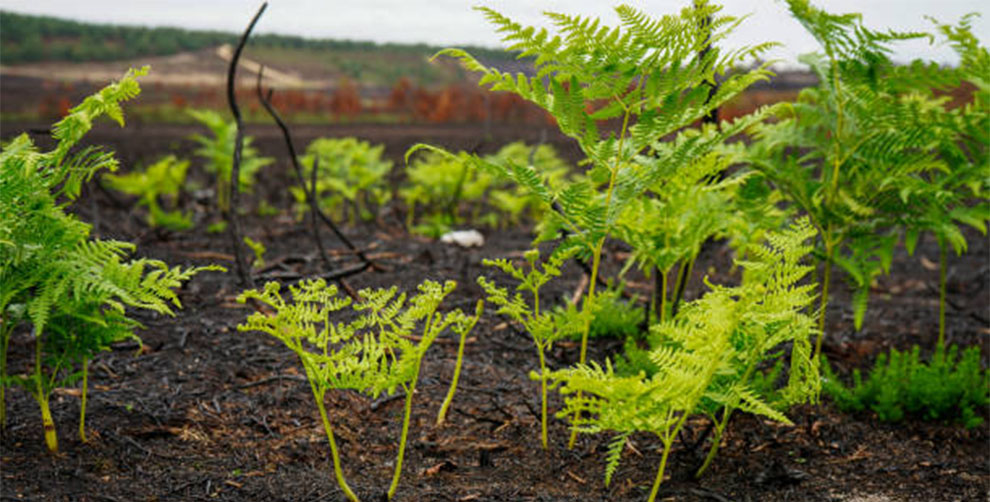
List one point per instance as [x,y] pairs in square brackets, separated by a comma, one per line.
[73,290]
[445,190]
[588,74]
[706,358]
[872,157]
[902,386]
[163,179]
[217,151]
[351,178]
[544,326]
[614,317]
[371,353]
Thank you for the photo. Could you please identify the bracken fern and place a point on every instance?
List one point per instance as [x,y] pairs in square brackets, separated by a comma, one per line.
[371,353]
[71,288]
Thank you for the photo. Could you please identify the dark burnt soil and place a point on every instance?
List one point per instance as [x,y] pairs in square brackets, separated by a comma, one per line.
[204,412]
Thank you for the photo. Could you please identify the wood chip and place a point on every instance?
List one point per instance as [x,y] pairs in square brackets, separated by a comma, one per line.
[575,477]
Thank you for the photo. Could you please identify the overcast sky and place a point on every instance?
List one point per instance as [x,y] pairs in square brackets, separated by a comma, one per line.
[454,23]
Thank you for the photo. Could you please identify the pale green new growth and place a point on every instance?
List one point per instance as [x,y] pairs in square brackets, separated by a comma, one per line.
[218,152]
[350,173]
[707,356]
[259,251]
[164,178]
[462,327]
[371,353]
[543,326]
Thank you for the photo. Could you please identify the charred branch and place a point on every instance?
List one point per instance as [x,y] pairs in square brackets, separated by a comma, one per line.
[308,190]
[233,219]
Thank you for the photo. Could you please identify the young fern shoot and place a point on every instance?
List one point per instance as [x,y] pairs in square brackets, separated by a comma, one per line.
[543,326]
[371,354]
[462,329]
[649,76]
[706,358]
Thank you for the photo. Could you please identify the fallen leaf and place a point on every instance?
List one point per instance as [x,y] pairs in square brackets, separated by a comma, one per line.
[445,466]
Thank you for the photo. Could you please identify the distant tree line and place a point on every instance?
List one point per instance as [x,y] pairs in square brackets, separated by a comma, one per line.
[27,38]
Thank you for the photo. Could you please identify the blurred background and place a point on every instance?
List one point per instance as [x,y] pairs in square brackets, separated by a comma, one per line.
[364,62]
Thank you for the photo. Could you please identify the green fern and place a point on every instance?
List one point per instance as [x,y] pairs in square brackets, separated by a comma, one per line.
[544,326]
[218,152]
[350,173]
[371,353]
[72,289]
[707,355]
[437,186]
[858,153]
[165,178]
[649,77]
[446,189]
[614,317]
[945,200]
[259,251]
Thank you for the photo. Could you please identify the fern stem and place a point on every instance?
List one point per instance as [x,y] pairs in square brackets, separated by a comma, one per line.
[659,479]
[82,406]
[338,472]
[405,433]
[826,279]
[662,315]
[668,442]
[442,415]
[588,310]
[716,442]
[6,328]
[51,439]
[942,258]
[543,396]
[683,276]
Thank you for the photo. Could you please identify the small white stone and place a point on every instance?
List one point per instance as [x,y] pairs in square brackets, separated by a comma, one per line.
[464,238]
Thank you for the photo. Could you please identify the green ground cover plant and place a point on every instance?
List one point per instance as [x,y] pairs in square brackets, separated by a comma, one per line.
[445,190]
[351,177]
[614,316]
[71,289]
[707,357]
[372,352]
[218,153]
[163,179]
[901,385]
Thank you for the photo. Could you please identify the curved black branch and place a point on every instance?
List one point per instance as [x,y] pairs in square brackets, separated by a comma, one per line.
[235,169]
[266,101]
